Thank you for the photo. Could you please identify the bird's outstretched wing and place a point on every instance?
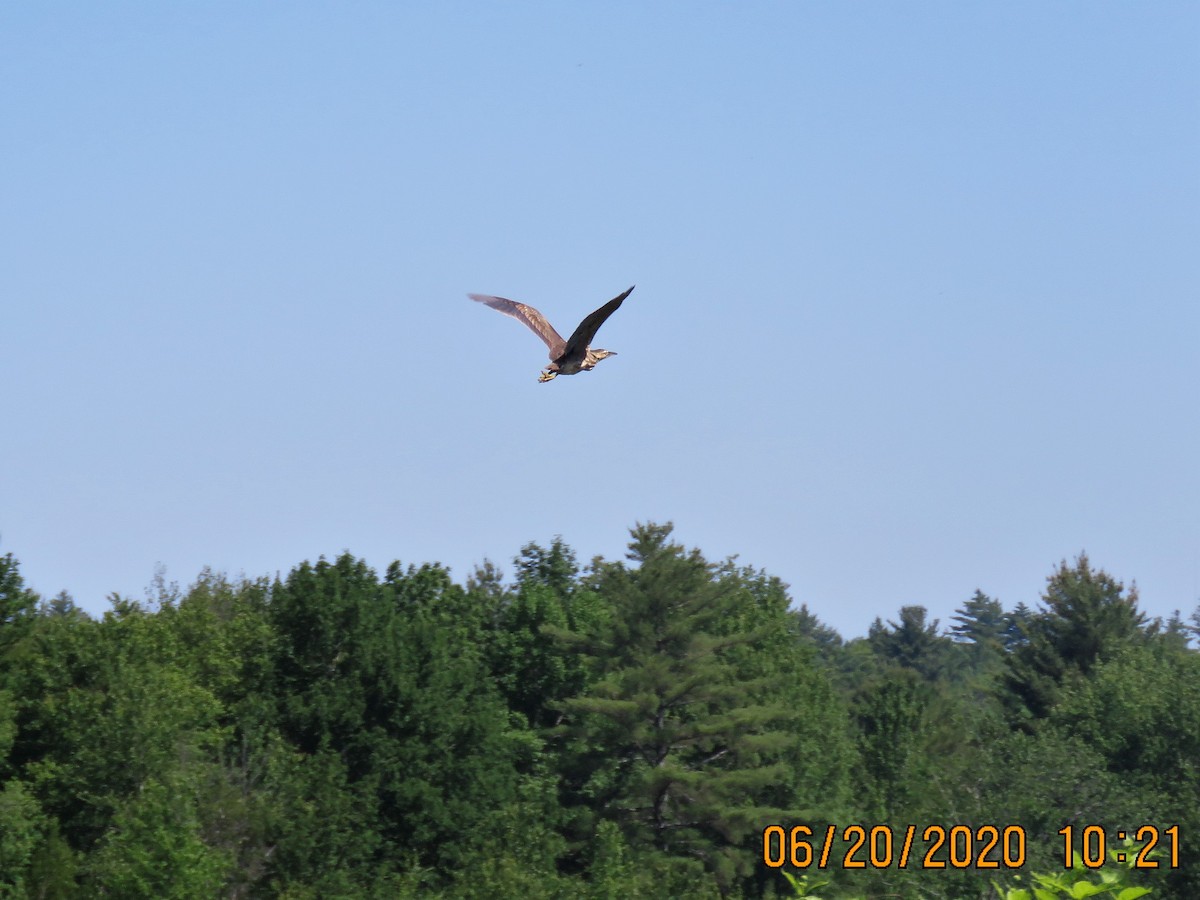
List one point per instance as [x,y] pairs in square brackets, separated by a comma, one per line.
[582,336]
[534,319]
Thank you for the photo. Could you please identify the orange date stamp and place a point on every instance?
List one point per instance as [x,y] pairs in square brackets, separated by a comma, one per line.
[944,847]
[882,847]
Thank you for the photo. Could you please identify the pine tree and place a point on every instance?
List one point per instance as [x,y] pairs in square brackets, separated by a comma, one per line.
[668,741]
[1017,625]
[981,626]
[1088,617]
[980,620]
[912,643]
[18,604]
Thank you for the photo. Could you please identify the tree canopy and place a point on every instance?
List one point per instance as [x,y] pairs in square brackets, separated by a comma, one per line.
[631,728]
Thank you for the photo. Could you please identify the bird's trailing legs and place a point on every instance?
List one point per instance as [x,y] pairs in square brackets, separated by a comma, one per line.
[566,357]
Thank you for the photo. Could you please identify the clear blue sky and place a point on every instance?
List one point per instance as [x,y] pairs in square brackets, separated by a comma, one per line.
[917,306]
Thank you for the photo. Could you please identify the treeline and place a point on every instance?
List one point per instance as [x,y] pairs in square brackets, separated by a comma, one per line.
[622,730]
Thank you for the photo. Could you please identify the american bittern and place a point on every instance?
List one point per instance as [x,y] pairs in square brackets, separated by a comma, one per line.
[569,356]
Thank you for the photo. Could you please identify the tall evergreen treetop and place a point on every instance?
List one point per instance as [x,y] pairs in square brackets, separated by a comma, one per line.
[980,631]
[17,603]
[1089,614]
[912,643]
[668,741]
[980,621]
[556,567]
[1088,617]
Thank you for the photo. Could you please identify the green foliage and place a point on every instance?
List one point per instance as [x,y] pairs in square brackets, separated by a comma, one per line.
[813,632]
[53,869]
[21,826]
[532,672]
[1140,714]
[670,740]
[17,603]
[1088,614]
[155,847]
[1088,617]
[889,712]
[912,643]
[805,885]
[981,627]
[625,731]
[785,673]
[384,685]
[1046,780]
[8,726]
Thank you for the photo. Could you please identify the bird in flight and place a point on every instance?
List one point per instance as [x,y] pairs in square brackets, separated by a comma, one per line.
[569,356]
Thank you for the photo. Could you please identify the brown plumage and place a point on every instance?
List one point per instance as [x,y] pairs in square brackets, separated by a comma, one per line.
[566,357]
